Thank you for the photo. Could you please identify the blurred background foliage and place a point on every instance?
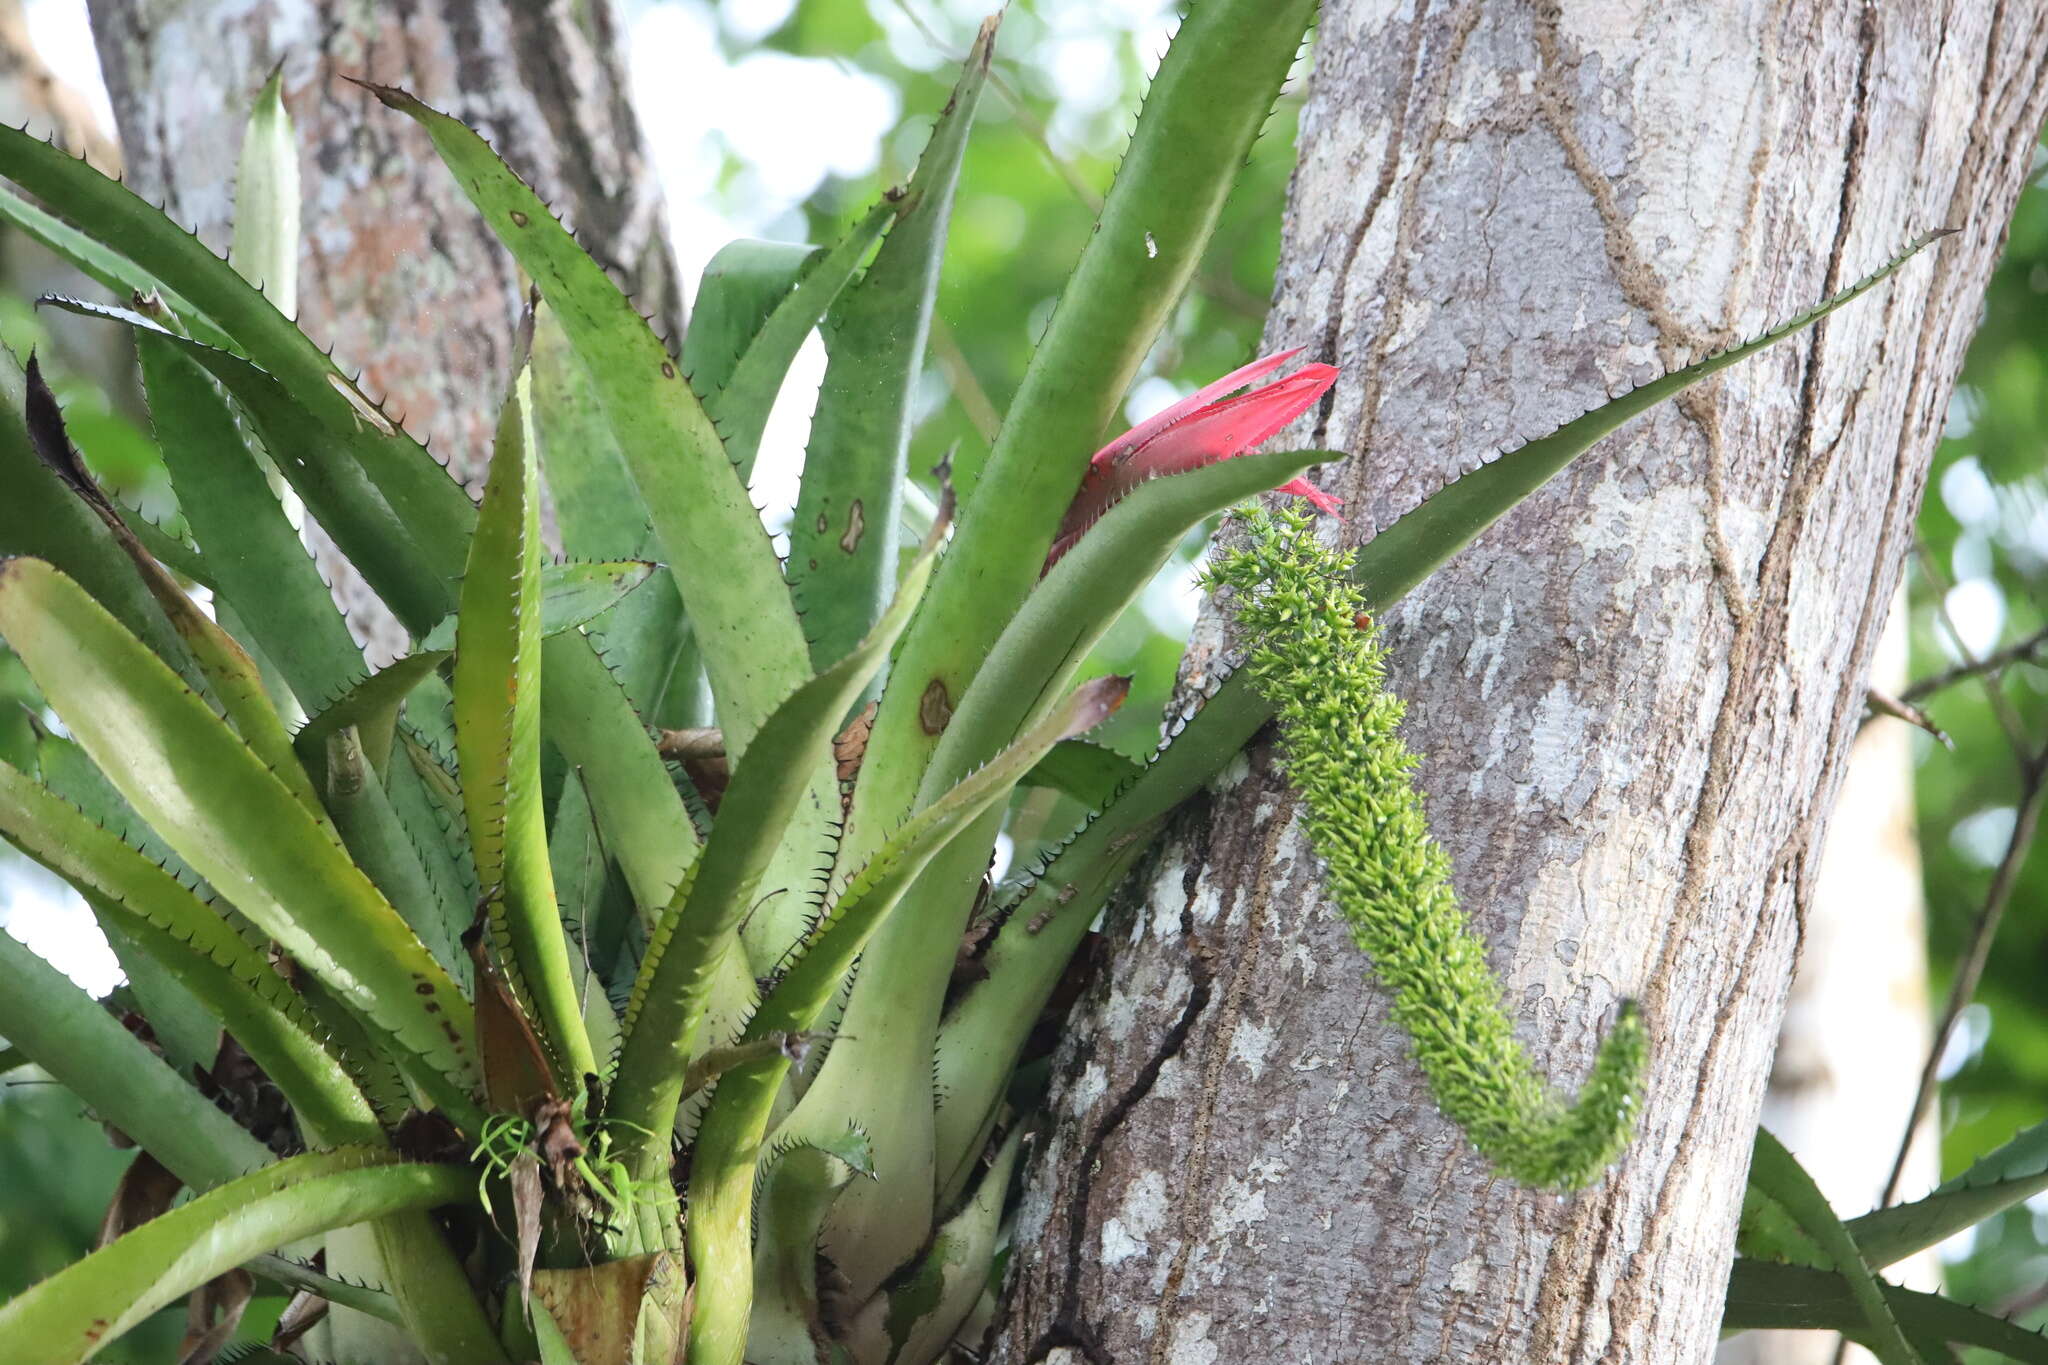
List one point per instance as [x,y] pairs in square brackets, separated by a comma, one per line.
[1068,78]
[1980,593]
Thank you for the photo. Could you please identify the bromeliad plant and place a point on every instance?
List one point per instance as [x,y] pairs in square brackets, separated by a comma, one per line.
[578,1063]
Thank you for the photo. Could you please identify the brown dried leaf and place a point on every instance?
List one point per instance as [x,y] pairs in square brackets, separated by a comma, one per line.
[601,1309]
[554,1137]
[212,1313]
[300,1316]
[429,1135]
[526,1199]
[146,1190]
[515,1065]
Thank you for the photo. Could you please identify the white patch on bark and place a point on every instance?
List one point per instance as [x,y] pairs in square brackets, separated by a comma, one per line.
[1139,1217]
[1190,1344]
[1251,1043]
[1092,1086]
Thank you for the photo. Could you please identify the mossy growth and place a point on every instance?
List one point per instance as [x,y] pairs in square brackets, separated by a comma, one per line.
[1315,653]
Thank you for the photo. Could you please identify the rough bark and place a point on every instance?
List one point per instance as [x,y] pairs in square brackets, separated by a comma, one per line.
[397,273]
[1842,1081]
[1635,696]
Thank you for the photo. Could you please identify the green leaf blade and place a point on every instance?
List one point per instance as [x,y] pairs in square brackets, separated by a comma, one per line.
[1420,541]
[711,536]
[64,1031]
[188,939]
[1207,103]
[237,825]
[740,404]
[255,557]
[692,939]
[842,542]
[730,1141]
[1775,1171]
[66,1318]
[497,741]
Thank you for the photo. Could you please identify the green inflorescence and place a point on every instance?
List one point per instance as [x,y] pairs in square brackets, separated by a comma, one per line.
[1316,655]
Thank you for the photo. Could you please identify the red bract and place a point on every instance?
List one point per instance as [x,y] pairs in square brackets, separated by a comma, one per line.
[1199,430]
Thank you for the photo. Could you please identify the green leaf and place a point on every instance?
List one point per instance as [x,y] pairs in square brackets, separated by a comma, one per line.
[849,1085]
[697,930]
[2015,1172]
[711,536]
[188,939]
[739,406]
[1226,722]
[646,640]
[409,549]
[911,964]
[984,1033]
[1416,544]
[69,1316]
[572,594]
[738,291]
[1762,1294]
[646,828]
[233,676]
[918,1314]
[195,282]
[1089,773]
[401,525]
[187,1030]
[1776,1172]
[371,704]
[798,1183]
[1207,103]
[395,857]
[842,543]
[1038,653]
[1768,1231]
[254,556]
[266,246]
[40,516]
[238,826]
[118,275]
[497,742]
[65,1032]
[292,1275]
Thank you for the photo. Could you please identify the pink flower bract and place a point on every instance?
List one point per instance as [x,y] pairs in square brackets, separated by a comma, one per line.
[1206,426]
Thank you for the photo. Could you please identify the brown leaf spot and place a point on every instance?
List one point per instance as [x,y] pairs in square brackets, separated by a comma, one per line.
[668,369]
[935,707]
[856,523]
[519,219]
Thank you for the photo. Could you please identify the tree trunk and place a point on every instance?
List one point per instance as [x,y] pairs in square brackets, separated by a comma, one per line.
[1635,696]
[1842,1081]
[397,272]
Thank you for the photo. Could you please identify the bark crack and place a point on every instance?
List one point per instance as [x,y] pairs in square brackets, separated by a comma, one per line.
[1677,340]
[1740,696]
[1394,286]
[1067,1327]
[1390,163]
[1193,1197]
